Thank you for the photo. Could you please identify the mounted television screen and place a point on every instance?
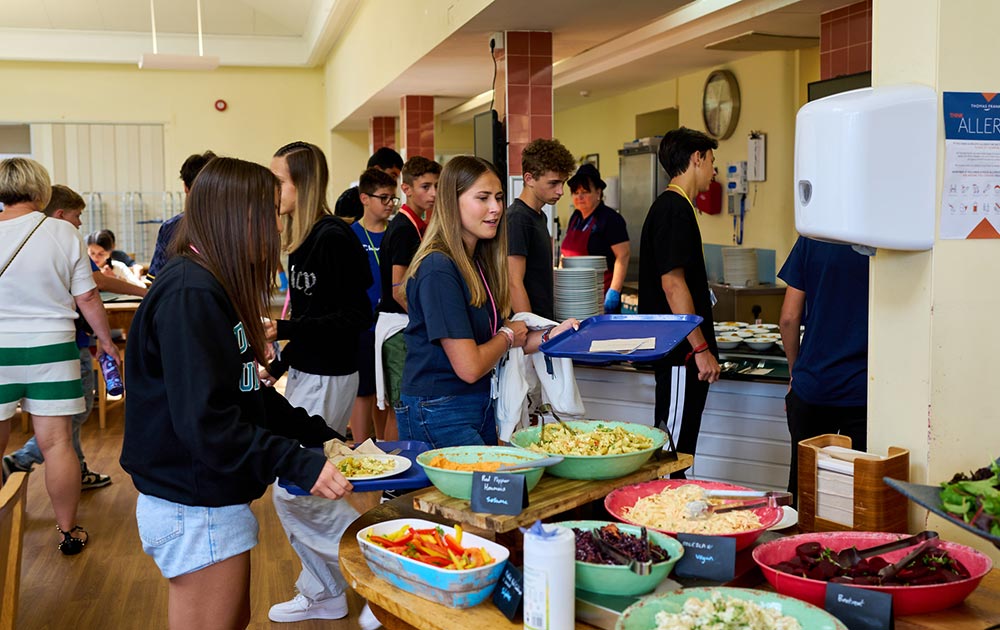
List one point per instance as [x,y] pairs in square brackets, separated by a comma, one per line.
[846,83]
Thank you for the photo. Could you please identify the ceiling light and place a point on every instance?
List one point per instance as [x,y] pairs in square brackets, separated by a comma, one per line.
[157,61]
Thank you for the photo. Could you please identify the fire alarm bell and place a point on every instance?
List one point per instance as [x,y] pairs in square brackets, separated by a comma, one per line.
[221,105]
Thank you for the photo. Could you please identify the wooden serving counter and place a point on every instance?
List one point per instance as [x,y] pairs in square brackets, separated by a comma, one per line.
[399,610]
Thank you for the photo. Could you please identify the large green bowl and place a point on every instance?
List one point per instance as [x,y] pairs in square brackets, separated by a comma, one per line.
[458,483]
[597,466]
[620,580]
[642,614]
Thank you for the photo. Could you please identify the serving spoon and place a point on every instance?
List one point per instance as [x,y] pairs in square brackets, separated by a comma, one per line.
[535,463]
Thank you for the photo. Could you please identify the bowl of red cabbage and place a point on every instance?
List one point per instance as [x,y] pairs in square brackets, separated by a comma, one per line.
[598,573]
[801,566]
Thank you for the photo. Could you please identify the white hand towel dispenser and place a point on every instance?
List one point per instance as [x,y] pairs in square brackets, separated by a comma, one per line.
[865,167]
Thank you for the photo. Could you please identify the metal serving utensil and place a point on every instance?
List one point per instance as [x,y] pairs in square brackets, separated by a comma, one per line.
[703,509]
[851,556]
[537,463]
[546,408]
[635,566]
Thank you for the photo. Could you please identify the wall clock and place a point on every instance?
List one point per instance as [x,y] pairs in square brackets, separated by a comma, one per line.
[720,105]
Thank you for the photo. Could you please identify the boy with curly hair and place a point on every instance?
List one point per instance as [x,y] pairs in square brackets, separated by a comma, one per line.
[546,165]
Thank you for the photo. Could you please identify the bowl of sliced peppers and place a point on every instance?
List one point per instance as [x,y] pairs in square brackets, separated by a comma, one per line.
[436,562]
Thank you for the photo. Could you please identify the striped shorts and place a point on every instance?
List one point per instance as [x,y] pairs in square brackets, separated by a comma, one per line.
[42,372]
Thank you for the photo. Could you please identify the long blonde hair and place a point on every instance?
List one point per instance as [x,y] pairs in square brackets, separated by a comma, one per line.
[444,235]
[307,168]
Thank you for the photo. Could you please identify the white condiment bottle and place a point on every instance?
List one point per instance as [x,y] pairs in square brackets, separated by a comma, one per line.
[549,578]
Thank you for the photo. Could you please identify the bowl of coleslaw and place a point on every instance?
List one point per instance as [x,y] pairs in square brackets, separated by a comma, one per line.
[660,505]
[725,608]
[596,449]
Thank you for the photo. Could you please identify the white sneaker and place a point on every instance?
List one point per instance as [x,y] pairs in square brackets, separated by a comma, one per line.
[367,620]
[302,608]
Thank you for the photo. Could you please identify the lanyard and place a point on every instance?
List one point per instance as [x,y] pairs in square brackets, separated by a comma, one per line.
[680,190]
[493,315]
[361,222]
[406,213]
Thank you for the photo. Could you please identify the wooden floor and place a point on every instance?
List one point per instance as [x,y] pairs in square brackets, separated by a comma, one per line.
[113,584]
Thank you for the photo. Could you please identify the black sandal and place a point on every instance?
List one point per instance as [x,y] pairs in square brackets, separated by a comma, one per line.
[71,545]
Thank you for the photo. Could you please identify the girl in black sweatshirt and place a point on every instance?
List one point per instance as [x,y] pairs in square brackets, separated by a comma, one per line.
[202,438]
[328,277]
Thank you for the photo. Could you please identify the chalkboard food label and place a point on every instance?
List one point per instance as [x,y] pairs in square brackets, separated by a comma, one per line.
[859,608]
[499,493]
[509,592]
[707,557]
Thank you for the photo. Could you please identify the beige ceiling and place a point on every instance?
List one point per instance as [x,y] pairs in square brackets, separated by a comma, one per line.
[219,17]
[599,46]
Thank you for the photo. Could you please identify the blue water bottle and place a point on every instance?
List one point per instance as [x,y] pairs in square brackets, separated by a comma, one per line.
[112,377]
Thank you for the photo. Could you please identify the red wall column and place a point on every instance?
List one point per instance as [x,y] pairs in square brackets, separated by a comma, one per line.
[845,40]
[381,133]
[416,131]
[527,59]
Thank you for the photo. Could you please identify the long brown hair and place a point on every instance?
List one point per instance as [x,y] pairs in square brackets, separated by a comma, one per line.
[308,170]
[444,234]
[230,228]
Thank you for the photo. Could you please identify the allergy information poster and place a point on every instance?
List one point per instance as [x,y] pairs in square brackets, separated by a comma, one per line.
[970,201]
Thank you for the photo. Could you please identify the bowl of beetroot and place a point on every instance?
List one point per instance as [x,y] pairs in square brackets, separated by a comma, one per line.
[941,576]
[598,573]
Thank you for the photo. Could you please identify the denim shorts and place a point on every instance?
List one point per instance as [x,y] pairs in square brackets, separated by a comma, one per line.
[184,538]
[441,421]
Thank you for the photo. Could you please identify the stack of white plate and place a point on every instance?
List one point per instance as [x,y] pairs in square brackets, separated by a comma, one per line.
[585,262]
[578,293]
[739,266]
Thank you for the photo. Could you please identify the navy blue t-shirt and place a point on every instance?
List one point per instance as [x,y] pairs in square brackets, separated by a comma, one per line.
[371,242]
[438,298]
[832,366]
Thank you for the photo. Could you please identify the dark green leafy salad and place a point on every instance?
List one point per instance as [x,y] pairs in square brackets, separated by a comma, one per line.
[975,498]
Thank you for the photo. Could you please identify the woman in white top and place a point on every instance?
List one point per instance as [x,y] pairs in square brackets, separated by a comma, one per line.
[45,277]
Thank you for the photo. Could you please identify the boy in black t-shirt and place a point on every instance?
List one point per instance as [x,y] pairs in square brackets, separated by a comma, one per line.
[400,243]
[546,165]
[673,280]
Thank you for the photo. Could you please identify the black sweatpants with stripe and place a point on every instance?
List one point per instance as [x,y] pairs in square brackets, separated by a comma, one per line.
[680,401]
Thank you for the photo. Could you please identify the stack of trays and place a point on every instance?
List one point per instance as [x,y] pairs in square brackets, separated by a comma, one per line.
[579,287]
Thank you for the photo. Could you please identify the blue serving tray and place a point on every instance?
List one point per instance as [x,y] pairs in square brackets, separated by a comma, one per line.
[669,330]
[412,478]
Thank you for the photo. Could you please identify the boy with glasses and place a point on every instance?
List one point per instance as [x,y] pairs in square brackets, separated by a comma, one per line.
[349,203]
[377,190]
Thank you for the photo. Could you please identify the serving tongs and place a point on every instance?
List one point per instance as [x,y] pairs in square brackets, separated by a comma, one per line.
[852,556]
[546,408]
[746,500]
[635,566]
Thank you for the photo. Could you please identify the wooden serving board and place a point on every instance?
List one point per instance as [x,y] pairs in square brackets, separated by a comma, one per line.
[552,495]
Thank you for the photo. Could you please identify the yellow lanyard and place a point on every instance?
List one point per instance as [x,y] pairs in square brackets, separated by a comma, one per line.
[361,222]
[680,190]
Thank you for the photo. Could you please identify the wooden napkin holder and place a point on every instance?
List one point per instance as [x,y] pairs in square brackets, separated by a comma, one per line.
[877,507]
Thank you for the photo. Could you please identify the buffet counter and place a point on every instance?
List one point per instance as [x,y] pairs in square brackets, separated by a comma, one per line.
[399,610]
